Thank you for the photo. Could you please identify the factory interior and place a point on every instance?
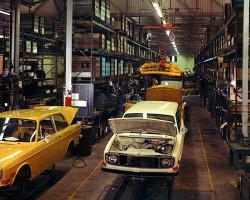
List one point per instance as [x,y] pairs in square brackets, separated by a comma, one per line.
[102,58]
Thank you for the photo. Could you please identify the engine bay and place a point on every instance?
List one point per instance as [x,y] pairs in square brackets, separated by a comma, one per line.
[161,145]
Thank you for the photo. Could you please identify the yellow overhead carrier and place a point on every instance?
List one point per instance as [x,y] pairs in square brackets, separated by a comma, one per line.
[153,68]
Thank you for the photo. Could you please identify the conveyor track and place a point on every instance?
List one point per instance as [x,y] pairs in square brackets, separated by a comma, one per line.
[146,188]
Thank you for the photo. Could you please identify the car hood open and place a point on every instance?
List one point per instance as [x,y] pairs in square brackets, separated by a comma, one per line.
[142,125]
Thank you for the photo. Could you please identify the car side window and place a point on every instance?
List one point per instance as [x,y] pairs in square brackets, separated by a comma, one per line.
[60,122]
[46,127]
[17,130]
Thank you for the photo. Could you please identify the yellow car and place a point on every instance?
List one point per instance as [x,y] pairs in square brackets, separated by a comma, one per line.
[32,140]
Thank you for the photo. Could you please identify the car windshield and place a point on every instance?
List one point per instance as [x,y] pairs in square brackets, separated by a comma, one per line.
[17,130]
[151,116]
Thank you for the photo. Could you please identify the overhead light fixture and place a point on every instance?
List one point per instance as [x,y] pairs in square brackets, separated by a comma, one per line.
[157,9]
[4,12]
[164,22]
[167,32]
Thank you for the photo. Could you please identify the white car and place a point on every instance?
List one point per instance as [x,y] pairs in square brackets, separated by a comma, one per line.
[148,140]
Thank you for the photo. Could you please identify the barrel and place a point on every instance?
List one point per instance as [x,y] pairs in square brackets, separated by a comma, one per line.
[84,146]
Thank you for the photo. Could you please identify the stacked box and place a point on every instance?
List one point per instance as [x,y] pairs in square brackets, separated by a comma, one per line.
[126,68]
[103,10]
[121,68]
[103,66]
[125,45]
[108,47]
[34,47]
[50,28]
[97,66]
[89,41]
[41,24]
[112,66]
[112,44]
[29,23]
[86,8]
[118,22]
[127,28]
[116,66]
[136,31]
[121,49]
[7,46]
[81,66]
[28,46]
[108,70]
[108,17]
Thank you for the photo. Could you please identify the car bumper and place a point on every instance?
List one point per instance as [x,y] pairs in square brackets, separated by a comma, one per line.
[4,187]
[147,174]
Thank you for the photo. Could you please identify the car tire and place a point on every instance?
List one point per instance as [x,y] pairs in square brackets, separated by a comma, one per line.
[70,151]
[21,182]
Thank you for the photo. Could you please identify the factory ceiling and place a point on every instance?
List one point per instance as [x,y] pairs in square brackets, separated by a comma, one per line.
[191,22]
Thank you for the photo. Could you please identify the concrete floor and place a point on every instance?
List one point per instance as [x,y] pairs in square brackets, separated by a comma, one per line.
[205,171]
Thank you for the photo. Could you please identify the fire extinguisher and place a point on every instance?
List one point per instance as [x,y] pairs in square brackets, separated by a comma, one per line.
[68,99]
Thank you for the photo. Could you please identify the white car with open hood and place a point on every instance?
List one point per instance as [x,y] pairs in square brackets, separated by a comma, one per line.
[147,141]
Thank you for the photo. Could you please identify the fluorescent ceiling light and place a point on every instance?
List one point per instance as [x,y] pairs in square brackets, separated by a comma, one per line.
[164,22]
[167,32]
[157,9]
[4,12]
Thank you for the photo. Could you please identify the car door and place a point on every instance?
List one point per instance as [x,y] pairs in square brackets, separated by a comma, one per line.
[63,132]
[49,143]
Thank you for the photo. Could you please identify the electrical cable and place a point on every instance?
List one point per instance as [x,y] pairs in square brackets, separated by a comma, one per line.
[77,164]
[81,165]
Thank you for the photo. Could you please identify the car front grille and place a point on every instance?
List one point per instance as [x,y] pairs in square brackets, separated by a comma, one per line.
[140,162]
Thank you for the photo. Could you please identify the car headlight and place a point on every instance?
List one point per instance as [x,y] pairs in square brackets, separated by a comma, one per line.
[111,159]
[167,162]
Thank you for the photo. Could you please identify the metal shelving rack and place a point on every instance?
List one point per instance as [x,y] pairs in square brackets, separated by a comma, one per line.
[48,89]
[220,62]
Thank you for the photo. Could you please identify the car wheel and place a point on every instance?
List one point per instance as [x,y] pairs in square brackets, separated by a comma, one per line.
[70,150]
[21,182]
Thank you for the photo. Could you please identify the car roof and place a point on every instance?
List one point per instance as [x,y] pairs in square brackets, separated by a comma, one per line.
[29,113]
[157,107]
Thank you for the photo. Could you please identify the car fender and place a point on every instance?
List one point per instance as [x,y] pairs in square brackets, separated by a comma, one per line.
[18,170]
